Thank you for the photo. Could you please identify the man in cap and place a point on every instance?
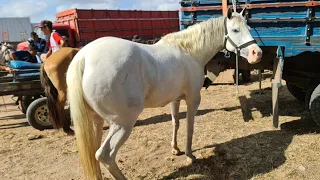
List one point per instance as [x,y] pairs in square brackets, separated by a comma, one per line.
[28,56]
[55,40]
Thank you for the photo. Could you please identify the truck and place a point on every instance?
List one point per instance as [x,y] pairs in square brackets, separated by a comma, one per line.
[81,26]
[288,32]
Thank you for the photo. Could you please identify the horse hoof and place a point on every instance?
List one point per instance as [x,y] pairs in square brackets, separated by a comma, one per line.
[176,152]
[191,159]
[69,132]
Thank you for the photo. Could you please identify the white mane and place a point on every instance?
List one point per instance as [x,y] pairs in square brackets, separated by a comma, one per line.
[205,37]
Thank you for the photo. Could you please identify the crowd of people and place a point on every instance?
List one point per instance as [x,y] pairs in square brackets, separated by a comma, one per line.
[38,49]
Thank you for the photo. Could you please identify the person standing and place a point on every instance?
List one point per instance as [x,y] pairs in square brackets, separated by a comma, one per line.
[55,40]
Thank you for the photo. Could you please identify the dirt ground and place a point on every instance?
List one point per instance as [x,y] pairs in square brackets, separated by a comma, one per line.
[233,139]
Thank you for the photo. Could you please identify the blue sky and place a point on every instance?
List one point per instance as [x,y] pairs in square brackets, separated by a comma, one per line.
[46,9]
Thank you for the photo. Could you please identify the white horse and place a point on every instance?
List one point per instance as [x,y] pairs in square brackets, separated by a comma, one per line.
[114,79]
[5,50]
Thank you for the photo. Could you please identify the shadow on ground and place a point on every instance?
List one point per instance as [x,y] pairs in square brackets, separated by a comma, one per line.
[245,157]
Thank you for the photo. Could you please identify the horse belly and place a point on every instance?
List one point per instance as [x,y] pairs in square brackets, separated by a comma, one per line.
[162,97]
[156,102]
[166,86]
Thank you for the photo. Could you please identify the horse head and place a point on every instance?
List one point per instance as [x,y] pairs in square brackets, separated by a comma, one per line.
[5,49]
[238,38]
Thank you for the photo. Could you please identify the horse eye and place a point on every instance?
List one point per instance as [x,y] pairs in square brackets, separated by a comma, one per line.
[235,30]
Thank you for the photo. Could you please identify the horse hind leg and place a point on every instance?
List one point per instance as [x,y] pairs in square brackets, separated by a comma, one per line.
[175,126]
[117,136]
[98,126]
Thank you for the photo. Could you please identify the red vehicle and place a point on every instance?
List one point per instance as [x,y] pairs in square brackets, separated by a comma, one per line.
[82,26]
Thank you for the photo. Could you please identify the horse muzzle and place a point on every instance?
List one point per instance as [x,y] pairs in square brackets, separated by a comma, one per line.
[254,54]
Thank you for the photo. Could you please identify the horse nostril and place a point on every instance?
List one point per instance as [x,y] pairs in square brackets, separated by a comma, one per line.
[253,52]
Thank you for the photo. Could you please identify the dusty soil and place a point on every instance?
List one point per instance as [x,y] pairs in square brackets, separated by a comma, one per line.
[233,139]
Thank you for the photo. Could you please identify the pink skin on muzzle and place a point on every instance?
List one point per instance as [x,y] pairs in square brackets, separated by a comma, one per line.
[255,55]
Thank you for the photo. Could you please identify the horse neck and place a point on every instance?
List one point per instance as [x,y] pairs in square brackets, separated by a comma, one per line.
[202,41]
[2,58]
[3,54]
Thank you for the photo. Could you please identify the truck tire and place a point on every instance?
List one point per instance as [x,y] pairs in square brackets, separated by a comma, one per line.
[26,101]
[314,105]
[37,114]
[297,92]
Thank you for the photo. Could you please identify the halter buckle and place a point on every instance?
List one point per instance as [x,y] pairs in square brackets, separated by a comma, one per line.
[227,54]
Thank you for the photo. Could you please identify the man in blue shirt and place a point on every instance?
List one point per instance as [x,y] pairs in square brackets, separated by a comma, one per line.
[41,43]
[28,56]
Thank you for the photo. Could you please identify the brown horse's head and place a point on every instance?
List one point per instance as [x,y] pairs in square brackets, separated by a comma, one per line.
[53,81]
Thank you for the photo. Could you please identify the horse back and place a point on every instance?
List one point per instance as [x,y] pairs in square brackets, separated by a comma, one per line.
[57,65]
[60,60]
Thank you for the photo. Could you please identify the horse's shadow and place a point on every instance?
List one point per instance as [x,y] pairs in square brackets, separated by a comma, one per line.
[245,157]
[167,117]
[288,105]
[13,126]
[11,117]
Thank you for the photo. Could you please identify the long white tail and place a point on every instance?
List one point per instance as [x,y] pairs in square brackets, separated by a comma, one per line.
[83,126]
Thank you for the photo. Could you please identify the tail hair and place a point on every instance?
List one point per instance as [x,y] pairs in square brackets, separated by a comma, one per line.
[83,126]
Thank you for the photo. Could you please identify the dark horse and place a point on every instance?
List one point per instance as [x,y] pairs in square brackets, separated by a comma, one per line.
[53,80]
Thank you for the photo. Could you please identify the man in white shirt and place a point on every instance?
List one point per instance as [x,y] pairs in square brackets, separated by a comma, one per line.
[55,40]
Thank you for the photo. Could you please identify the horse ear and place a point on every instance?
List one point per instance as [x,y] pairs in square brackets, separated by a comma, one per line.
[229,14]
[243,10]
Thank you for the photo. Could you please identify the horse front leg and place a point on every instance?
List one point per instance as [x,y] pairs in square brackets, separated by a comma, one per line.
[175,126]
[62,97]
[192,107]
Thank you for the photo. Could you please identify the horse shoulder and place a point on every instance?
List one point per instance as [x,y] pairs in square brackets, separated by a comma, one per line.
[194,76]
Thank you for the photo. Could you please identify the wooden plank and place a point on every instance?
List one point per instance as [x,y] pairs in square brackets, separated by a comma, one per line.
[225,77]
[18,79]
[224,7]
[260,81]
[275,91]
[20,87]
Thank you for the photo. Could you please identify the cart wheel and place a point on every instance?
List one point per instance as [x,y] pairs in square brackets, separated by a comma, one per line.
[296,92]
[37,114]
[26,101]
[314,105]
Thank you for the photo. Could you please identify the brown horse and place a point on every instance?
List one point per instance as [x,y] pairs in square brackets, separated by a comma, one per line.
[53,80]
